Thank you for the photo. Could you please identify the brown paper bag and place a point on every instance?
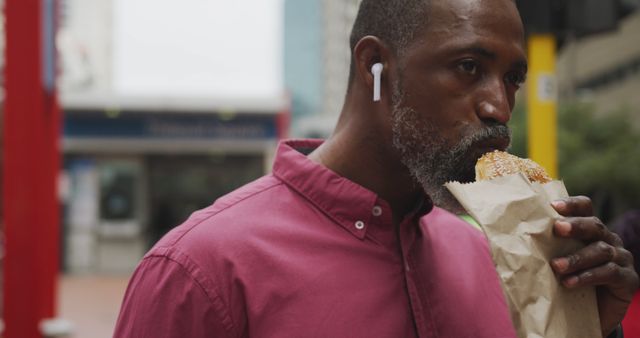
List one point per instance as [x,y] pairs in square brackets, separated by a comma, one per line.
[517,219]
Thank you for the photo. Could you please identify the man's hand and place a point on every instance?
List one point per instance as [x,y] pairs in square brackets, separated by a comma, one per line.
[603,262]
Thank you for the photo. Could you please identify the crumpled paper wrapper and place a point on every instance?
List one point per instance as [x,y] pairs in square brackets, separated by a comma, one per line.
[517,219]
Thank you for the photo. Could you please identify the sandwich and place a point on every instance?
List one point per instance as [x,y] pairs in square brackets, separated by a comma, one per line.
[499,163]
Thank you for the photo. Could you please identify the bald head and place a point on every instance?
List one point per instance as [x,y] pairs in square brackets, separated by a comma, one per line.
[393,21]
[398,22]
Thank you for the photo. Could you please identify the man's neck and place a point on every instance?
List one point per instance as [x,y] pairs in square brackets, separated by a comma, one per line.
[363,159]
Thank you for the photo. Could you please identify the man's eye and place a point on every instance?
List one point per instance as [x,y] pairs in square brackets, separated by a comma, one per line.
[468,66]
[516,78]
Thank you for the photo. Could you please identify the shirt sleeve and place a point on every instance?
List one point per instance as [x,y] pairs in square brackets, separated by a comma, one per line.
[165,299]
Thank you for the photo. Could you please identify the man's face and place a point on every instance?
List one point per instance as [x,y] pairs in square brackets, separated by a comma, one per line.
[456,90]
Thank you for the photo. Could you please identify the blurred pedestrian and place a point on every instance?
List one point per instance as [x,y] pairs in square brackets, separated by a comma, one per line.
[628,228]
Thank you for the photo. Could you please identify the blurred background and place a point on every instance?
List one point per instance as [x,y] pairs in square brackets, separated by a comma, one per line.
[167,105]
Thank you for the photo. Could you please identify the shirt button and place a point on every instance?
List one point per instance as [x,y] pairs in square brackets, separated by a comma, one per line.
[359,225]
[377,211]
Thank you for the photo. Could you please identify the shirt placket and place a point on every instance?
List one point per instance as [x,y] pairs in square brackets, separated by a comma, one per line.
[407,237]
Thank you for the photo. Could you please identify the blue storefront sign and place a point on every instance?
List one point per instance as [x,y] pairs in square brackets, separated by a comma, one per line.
[130,124]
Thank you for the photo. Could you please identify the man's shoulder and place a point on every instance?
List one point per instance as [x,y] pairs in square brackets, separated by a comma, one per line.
[194,264]
[240,205]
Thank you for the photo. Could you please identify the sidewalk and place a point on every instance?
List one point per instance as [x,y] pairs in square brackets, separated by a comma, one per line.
[91,303]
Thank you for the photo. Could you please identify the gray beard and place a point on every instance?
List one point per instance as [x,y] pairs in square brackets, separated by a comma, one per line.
[431,161]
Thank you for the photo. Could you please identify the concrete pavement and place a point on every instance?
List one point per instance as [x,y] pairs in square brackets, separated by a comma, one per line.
[91,303]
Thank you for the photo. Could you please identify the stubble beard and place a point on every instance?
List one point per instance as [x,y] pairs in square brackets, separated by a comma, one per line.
[430,159]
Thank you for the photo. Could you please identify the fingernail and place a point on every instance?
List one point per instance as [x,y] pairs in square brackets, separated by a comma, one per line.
[561,264]
[563,228]
[571,281]
[559,204]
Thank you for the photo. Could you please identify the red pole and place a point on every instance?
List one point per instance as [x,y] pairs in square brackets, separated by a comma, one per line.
[30,169]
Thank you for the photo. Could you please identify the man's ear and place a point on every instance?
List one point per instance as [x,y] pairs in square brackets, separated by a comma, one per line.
[368,52]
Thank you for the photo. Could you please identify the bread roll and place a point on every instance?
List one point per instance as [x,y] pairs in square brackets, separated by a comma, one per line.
[499,163]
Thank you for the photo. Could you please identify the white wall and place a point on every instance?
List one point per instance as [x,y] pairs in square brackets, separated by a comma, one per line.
[84,44]
[158,48]
[220,48]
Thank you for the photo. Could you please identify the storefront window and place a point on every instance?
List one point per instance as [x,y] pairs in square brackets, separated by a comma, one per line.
[118,191]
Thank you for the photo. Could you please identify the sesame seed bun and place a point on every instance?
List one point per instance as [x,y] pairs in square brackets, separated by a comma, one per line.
[499,163]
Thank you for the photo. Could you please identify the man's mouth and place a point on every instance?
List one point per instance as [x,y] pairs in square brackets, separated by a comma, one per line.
[495,143]
[487,139]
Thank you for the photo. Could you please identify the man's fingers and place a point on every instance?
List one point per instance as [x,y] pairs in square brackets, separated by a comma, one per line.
[610,274]
[587,229]
[579,206]
[595,254]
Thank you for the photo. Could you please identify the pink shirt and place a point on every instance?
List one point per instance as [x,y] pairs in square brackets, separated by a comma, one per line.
[304,252]
[631,321]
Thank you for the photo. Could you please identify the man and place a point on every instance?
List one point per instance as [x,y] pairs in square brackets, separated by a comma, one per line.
[344,242]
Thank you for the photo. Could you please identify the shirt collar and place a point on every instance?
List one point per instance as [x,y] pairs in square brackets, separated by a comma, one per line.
[347,203]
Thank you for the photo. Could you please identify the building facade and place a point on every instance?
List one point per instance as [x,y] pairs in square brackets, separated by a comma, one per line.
[136,165]
[604,69]
[324,29]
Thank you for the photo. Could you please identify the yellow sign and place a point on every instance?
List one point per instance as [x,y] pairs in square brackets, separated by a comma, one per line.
[542,102]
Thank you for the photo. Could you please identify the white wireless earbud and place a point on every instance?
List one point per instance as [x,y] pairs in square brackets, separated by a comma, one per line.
[376,70]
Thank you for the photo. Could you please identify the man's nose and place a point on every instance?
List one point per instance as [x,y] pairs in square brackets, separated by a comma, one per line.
[493,103]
